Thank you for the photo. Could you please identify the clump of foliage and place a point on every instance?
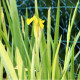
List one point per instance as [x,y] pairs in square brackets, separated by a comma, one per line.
[30,58]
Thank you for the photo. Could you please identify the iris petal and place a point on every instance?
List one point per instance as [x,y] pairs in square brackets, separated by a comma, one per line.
[36,22]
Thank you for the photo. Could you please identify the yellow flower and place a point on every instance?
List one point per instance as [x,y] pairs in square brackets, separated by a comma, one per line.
[30,20]
[36,22]
[41,23]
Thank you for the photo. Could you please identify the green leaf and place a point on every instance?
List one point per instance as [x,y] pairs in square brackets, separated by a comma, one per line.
[74,14]
[76,55]
[43,50]
[5,40]
[0,14]
[32,40]
[56,34]
[8,17]
[70,26]
[8,5]
[69,30]
[48,56]
[20,65]
[36,8]
[26,32]
[68,37]
[44,70]
[4,25]
[1,65]
[55,59]
[7,63]
[69,54]
[22,22]
[32,66]
[26,42]
[78,76]
[18,40]
[1,70]
[72,64]
[42,45]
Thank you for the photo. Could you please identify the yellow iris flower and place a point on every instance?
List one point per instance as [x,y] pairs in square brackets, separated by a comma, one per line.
[36,22]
